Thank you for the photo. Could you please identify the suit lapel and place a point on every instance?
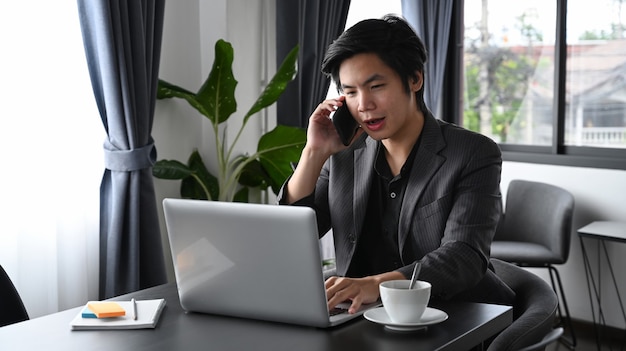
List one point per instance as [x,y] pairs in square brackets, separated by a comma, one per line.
[427,162]
[363,173]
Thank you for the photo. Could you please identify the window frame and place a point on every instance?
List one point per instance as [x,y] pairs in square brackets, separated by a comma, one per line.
[556,154]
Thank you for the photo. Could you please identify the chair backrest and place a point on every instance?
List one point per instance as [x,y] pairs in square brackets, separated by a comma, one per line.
[552,337]
[538,213]
[534,309]
[12,308]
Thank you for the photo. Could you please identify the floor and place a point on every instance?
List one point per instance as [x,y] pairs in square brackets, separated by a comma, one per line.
[612,339]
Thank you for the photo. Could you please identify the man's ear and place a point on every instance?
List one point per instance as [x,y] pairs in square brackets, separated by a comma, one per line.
[417,82]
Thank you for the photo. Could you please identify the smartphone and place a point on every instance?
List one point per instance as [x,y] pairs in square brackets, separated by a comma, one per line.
[345,124]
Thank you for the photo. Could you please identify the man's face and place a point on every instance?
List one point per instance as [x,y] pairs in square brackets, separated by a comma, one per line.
[377,98]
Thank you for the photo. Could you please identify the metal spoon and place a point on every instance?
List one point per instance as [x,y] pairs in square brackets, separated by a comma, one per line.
[416,272]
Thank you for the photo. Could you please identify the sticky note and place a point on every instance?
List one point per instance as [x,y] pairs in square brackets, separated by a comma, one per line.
[106,309]
[87,313]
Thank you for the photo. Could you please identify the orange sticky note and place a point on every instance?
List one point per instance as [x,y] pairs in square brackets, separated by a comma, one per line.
[106,309]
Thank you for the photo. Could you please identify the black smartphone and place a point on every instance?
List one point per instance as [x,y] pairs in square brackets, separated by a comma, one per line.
[345,124]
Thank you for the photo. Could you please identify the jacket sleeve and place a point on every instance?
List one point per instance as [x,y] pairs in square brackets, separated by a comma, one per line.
[453,232]
[318,201]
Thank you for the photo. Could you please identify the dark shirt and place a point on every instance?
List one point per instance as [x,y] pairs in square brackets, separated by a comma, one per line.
[377,249]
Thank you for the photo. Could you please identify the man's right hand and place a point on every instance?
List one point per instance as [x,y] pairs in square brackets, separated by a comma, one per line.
[322,142]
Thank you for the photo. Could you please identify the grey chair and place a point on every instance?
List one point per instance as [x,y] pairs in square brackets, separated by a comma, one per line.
[550,338]
[12,308]
[535,231]
[534,311]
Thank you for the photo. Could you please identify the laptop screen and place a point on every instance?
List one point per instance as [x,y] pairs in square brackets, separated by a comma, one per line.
[247,260]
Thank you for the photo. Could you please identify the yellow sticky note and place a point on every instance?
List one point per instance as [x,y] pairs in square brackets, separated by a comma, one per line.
[106,309]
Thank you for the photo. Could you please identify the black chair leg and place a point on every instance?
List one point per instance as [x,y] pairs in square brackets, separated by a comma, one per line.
[570,343]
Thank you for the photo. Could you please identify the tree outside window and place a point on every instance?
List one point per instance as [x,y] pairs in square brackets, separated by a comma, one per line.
[509,78]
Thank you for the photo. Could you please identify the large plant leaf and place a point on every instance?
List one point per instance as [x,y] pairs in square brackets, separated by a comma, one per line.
[285,74]
[254,175]
[242,195]
[278,150]
[170,169]
[217,94]
[167,90]
[194,187]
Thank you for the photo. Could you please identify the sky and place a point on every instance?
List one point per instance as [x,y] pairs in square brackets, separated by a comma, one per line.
[583,15]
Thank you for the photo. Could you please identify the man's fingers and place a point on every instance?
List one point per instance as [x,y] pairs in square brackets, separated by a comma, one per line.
[356,304]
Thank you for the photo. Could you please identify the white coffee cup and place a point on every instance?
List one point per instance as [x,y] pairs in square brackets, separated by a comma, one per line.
[404,305]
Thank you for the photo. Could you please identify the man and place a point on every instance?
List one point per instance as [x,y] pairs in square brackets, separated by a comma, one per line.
[409,187]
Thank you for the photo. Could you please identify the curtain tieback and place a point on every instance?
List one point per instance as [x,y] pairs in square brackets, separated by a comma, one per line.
[129,160]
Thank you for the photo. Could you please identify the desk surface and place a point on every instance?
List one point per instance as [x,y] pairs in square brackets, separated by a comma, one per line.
[468,325]
[605,230]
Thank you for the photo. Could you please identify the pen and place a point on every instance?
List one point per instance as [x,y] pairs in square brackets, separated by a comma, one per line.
[134,308]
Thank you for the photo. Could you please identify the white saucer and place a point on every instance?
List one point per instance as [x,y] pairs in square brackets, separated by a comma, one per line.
[431,316]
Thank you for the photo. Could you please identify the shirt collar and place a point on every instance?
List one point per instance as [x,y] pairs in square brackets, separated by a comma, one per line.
[382,167]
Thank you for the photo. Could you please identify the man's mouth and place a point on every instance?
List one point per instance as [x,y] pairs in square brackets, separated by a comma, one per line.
[374,124]
[374,121]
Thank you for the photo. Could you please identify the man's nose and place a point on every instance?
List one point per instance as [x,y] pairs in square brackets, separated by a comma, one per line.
[366,102]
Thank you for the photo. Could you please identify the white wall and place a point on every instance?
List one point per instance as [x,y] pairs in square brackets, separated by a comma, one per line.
[600,194]
[193,26]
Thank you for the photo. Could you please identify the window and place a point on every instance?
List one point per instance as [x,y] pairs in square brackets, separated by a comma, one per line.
[542,96]
[509,70]
[51,149]
[596,74]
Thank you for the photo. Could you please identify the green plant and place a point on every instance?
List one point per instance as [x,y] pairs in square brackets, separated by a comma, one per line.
[277,150]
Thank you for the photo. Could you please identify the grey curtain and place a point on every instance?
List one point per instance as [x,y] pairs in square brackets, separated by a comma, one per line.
[122,42]
[431,20]
[313,24]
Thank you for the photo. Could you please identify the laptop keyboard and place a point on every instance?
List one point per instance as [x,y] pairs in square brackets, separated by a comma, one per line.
[337,310]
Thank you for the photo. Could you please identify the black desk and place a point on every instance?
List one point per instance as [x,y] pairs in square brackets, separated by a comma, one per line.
[468,325]
[602,231]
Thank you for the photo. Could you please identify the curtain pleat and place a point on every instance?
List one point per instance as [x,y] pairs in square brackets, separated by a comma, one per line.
[431,19]
[313,24]
[122,42]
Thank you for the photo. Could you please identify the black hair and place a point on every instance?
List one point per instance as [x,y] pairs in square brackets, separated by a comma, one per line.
[392,39]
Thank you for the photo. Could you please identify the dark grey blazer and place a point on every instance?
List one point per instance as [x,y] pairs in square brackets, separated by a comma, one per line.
[451,208]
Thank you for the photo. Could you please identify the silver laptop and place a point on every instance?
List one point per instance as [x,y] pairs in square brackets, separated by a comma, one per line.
[249,260]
